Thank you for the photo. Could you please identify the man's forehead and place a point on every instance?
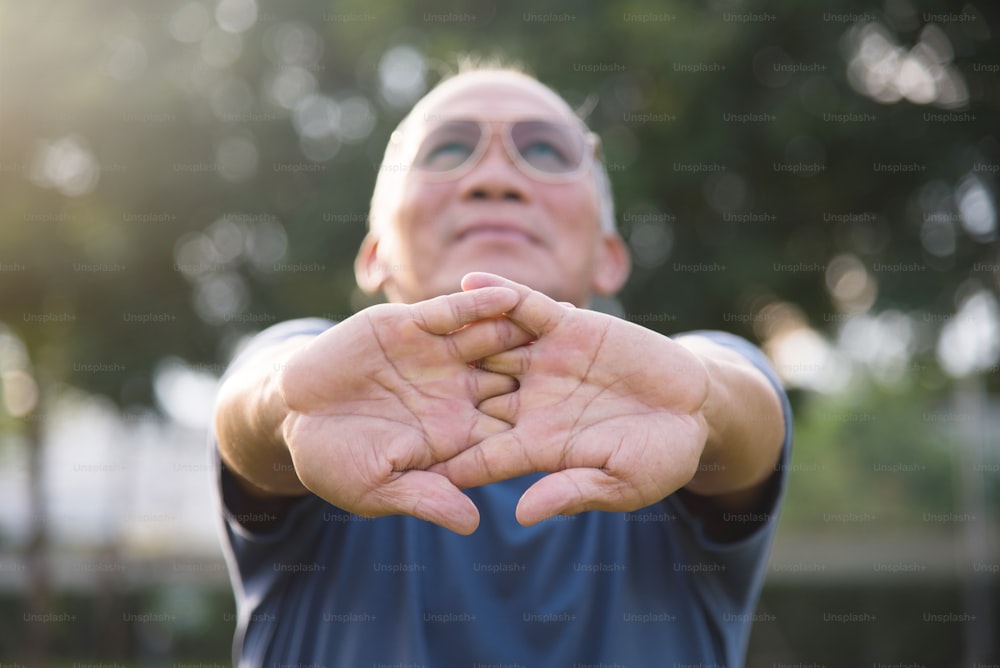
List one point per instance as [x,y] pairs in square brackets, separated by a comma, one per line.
[492,95]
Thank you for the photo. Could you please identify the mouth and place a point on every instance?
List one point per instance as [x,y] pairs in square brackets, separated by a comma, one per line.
[496,231]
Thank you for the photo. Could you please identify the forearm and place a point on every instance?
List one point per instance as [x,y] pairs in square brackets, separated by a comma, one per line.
[745,420]
[249,415]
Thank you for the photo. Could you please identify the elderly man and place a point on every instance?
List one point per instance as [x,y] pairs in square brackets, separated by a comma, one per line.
[620,486]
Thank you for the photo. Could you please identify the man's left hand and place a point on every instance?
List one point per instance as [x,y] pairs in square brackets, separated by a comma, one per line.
[613,412]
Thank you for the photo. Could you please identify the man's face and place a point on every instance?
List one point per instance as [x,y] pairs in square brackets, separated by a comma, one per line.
[493,217]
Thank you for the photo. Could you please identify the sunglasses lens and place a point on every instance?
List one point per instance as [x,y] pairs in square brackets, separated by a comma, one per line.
[448,146]
[549,147]
[542,149]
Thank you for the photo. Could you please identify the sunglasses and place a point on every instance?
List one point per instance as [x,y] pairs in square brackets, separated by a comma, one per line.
[543,150]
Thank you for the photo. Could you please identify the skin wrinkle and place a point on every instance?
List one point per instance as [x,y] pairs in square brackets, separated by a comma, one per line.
[474,386]
[456,310]
[378,342]
[401,466]
[504,335]
[573,428]
[613,455]
[583,380]
[404,404]
[419,390]
[421,319]
[485,462]
[508,405]
[468,437]
[546,325]
[520,366]
[452,348]
[417,500]
[433,446]
[579,492]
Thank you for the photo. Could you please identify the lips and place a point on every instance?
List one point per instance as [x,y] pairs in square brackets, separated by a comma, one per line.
[495,230]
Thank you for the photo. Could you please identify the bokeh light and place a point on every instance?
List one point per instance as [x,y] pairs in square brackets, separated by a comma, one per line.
[67,165]
[887,72]
[970,341]
[236,16]
[977,209]
[402,75]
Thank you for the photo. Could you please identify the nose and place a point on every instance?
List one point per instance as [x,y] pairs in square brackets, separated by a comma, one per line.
[495,177]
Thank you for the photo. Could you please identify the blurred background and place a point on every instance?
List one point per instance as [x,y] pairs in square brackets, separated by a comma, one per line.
[177,175]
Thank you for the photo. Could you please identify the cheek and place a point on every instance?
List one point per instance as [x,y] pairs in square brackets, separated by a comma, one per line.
[420,212]
[575,221]
[417,243]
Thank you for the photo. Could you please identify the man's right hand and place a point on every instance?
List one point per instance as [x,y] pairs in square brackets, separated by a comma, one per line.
[374,401]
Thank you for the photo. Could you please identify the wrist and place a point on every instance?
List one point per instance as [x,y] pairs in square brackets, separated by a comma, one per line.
[251,415]
[716,413]
[714,409]
[745,421]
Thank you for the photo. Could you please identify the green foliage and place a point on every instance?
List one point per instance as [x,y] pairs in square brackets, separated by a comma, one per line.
[879,460]
[699,124]
[668,80]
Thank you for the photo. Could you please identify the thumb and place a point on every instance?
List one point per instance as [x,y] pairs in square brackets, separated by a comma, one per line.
[572,491]
[428,496]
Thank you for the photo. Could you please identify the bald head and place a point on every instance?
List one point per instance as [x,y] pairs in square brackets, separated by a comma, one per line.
[450,94]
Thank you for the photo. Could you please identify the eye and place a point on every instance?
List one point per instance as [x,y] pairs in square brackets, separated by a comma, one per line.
[446,156]
[546,156]
[448,146]
[548,147]
[544,152]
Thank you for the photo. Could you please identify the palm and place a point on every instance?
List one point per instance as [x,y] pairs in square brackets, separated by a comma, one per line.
[387,393]
[615,429]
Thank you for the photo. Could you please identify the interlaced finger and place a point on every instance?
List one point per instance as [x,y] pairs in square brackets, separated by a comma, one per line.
[499,457]
[485,426]
[484,385]
[487,337]
[503,407]
[516,362]
[447,313]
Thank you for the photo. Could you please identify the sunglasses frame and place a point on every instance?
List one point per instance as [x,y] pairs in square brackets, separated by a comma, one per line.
[488,130]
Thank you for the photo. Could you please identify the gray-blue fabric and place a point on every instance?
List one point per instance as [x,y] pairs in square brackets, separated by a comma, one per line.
[640,589]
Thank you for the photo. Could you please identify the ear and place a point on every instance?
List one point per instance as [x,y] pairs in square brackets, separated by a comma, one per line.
[369,272]
[613,265]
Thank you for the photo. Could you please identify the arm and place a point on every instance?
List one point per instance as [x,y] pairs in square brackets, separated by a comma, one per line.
[732,490]
[622,417]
